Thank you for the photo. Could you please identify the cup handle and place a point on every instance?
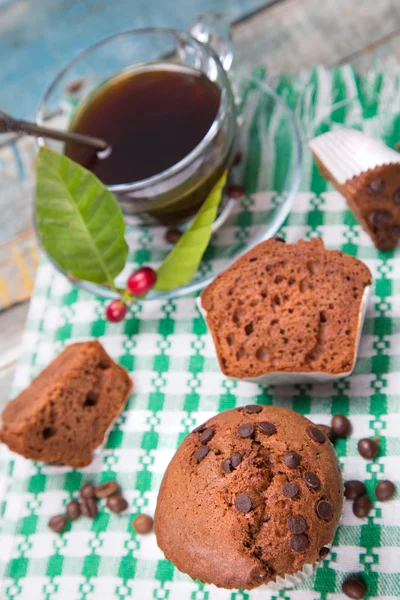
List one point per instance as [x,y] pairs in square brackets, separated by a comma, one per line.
[214,30]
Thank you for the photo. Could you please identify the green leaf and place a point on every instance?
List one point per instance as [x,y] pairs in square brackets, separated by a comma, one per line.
[181,264]
[79,222]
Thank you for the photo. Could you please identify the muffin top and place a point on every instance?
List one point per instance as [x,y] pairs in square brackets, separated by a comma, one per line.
[252,494]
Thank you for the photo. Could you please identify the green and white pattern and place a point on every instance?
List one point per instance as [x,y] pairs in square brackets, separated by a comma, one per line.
[178,384]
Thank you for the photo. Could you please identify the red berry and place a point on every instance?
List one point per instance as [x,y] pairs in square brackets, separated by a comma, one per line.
[115,311]
[141,281]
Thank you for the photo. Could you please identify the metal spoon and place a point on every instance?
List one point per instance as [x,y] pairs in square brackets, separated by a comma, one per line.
[10,124]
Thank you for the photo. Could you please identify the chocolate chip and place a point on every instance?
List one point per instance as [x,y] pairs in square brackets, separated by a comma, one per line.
[227,465]
[354,588]
[235,191]
[89,507]
[353,489]
[116,503]
[236,459]
[73,510]
[323,553]
[87,491]
[362,507]
[142,524]
[206,435]
[368,448]
[106,489]
[199,428]
[325,510]
[291,459]
[375,187]
[290,490]
[243,503]
[253,408]
[201,453]
[267,427]
[379,217]
[316,434]
[384,490]
[296,524]
[328,431]
[245,430]
[57,523]
[341,426]
[172,236]
[396,197]
[299,542]
[312,480]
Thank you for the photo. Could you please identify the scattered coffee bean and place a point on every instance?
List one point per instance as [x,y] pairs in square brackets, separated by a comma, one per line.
[312,480]
[379,217]
[236,459]
[227,465]
[375,187]
[201,453]
[253,408]
[89,507]
[235,191]
[328,431]
[73,510]
[368,448]
[116,503]
[142,524]
[106,489]
[206,435]
[172,236]
[325,510]
[354,588]
[362,507]
[299,542]
[316,434]
[267,427]
[385,490]
[341,426]
[199,428]
[57,523]
[278,238]
[396,197]
[290,490]
[296,524]
[292,459]
[395,232]
[323,553]
[87,491]
[243,503]
[237,159]
[245,430]
[353,489]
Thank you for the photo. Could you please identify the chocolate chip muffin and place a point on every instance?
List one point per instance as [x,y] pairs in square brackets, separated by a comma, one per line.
[253,494]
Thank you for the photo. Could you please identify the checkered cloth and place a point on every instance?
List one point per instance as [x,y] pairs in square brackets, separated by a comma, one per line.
[178,384]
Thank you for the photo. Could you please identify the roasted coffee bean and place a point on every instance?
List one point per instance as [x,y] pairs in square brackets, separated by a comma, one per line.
[201,453]
[362,507]
[341,426]
[375,187]
[396,197]
[73,510]
[206,435]
[328,431]
[235,191]
[278,238]
[245,430]
[199,428]
[57,523]
[312,480]
[323,553]
[89,507]
[116,503]
[243,503]
[385,490]
[299,542]
[353,489]
[291,459]
[107,489]
[227,465]
[267,428]
[296,524]
[172,236]
[253,408]
[354,588]
[236,459]
[368,448]
[87,491]
[325,510]
[142,524]
[379,217]
[290,490]
[395,232]
[316,434]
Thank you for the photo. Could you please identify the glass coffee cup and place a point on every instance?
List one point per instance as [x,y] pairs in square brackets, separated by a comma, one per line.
[174,194]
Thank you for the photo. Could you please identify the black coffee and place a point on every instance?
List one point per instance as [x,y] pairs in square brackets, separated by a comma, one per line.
[152,118]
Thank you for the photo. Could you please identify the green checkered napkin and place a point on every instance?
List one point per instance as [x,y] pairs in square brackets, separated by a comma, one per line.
[178,384]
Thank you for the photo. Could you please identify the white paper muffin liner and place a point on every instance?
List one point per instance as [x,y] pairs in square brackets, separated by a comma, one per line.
[346,153]
[292,377]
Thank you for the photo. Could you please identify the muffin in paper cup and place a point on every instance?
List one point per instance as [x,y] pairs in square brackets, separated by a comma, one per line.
[296,317]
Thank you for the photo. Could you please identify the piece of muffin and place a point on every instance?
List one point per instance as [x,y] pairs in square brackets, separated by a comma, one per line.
[367,173]
[290,308]
[254,494]
[64,415]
